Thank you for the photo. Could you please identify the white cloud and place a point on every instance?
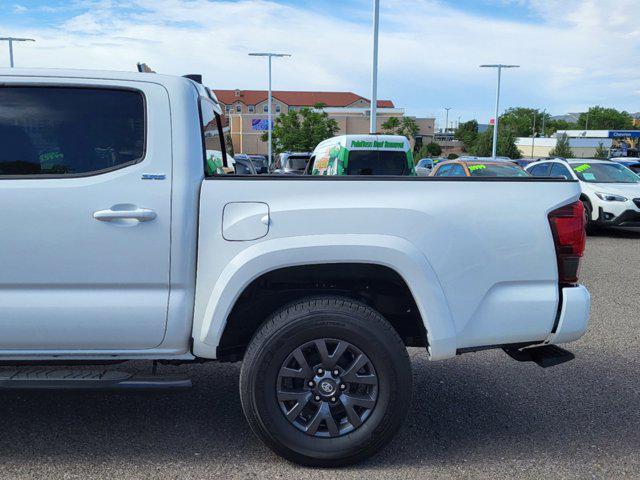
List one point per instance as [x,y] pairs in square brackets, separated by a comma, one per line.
[20,9]
[581,52]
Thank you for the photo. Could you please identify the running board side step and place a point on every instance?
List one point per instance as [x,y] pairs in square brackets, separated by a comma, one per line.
[545,355]
[65,379]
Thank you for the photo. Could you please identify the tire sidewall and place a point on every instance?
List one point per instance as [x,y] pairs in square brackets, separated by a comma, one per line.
[394,386]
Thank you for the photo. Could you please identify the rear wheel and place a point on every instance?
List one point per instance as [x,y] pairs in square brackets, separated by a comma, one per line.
[326,381]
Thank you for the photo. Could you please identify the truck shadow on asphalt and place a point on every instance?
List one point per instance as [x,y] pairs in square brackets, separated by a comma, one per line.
[479,405]
[615,233]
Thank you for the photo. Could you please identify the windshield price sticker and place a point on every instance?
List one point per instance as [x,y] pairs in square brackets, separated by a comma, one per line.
[582,168]
[473,168]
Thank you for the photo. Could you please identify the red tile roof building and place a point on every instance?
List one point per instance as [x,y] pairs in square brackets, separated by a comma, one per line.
[256,98]
[246,113]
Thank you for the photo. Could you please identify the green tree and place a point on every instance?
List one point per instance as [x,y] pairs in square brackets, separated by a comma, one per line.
[601,118]
[301,131]
[405,126]
[408,128]
[452,156]
[431,149]
[552,126]
[601,152]
[391,126]
[506,144]
[467,133]
[562,148]
[520,121]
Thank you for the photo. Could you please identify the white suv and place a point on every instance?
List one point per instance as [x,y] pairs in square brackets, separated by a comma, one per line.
[610,191]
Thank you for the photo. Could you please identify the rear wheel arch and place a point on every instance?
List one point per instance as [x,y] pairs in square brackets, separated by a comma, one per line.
[379,287]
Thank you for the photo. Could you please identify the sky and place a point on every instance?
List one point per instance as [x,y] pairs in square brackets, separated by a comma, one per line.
[573,53]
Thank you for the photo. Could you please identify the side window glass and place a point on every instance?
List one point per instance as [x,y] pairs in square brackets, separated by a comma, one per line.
[443,171]
[214,140]
[541,170]
[67,131]
[457,171]
[558,170]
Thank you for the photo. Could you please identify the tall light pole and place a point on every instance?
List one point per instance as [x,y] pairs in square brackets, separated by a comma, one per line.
[499,66]
[373,127]
[446,122]
[11,40]
[533,133]
[269,55]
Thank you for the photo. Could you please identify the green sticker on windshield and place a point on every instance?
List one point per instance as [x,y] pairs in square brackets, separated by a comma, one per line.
[473,168]
[582,168]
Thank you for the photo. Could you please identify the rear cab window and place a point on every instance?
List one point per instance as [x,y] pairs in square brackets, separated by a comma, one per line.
[70,131]
[377,162]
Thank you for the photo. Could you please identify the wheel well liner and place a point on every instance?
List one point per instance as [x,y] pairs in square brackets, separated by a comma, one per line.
[380,287]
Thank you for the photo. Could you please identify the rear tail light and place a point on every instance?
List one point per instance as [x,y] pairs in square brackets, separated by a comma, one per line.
[567,225]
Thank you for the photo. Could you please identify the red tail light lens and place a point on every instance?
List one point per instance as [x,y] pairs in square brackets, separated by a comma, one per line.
[567,226]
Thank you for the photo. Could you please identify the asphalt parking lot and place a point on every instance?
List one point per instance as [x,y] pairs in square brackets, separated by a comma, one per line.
[480,415]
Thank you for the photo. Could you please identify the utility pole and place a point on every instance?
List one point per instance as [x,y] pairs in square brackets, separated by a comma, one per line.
[544,114]
[533,133]
[270,55]
[586,126]
[373,127]
[446,122]
[499,67]
[10,40]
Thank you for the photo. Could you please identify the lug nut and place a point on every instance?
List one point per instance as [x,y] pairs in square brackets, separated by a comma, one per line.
[333,399]
[342,386]
[311,384]
[336,372]
[320,371]
[317,398]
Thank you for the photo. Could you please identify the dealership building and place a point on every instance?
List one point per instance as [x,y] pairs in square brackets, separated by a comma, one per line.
[583,143]
[246,114]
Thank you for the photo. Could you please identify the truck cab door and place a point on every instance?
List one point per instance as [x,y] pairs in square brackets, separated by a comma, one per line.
[85,189]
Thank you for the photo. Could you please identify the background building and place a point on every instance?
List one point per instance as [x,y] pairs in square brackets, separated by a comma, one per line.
[246,114]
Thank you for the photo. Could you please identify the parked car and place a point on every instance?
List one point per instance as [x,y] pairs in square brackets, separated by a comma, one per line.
[291,163]
[244,166]
[424,167]
[477,168]
[362,155]
[118,247]
[610,191]
[632,164]
[259,162]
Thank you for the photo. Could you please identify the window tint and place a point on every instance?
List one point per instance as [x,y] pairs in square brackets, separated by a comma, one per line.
[457,171]
[377,162]
[65,131]
[540,170]
[506,169]
[558,170]
[604,173]
[212,125]
[444,170]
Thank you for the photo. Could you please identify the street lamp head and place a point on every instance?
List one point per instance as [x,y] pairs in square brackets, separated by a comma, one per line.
[16,39]
[268,54]
[499,65]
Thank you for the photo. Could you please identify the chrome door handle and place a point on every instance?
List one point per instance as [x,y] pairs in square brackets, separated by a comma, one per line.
[140,214]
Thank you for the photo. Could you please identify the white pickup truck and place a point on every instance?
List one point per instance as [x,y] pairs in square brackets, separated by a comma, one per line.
[115,246]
